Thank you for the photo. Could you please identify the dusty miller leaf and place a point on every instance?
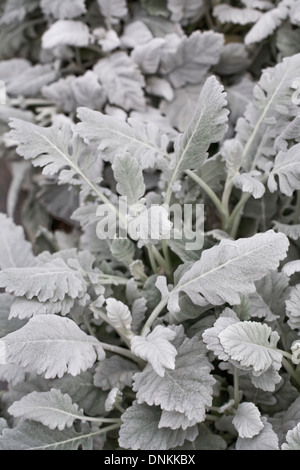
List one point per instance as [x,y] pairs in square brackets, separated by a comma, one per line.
[156,349]
[292,308]
[29,435]
[56,149]
[292,439]
[113,11]
[287,169]
[185,10]
[247,420]
[122,81]
[228,14]
[52,346]
[61,9]
[211,335]
[252,344]
[52,409]
[186,389]
[111,135]
[265,440]
[230,266]
[66,32]
[267,23]
[119,314]
[187,60]
[23,308]
[52,281]
[15,251]
[208,125]
[140,430]
[129,176]
[114,371]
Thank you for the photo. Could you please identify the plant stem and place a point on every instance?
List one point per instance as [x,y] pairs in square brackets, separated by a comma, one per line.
[100,420]
[123,352]
[236,395]
[161,260]
[290,370]
[209,192]
[152,259]
[166,253]
[297,209]
[153,316]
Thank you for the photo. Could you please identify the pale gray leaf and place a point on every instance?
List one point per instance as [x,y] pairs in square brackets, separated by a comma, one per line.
[66,32]
[51,281]
[247,420]
[250,183]
[114,371]
[185,10]
[272,106]
[31,80]
[252,344]
[7,325]
[52,409]
[228,14]
[119,314]
[123,250]
[292,439]
[267,24]
[29,435]
[211,335]
[293,307]
[56,149]
[61,9]
[189,58]
[287,169]
[122,81]
[181,109]
[145,142]
[159,87]
[208,125]
[83,392]
[186,389]
[234,260]
[140,430]
[113,11]
[266,380]
[129,176]
[23,308]
[205,440]
[135,34]
[175,420]
[147,56]
[265,440]
[15,251]
[52,346]
[156,349]
[291,231]
[12,374]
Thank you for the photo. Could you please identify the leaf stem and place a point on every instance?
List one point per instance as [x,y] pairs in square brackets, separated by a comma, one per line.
[154,315]
[290,370]
[236,395]
[152,259]
[123,352]
[209,192]
[161,260]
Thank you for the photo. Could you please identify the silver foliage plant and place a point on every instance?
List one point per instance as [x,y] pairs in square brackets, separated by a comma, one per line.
[118,344]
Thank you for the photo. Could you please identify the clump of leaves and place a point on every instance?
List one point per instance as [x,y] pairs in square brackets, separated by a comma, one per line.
[137,342]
